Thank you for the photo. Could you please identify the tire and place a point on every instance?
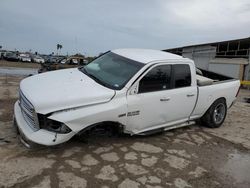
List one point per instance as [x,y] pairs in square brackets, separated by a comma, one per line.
[215,115]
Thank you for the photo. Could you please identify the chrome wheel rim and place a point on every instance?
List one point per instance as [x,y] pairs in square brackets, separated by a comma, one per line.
[219,113]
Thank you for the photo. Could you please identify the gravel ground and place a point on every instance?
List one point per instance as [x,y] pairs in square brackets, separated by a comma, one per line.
[4,63]
[17,71]
[188,157]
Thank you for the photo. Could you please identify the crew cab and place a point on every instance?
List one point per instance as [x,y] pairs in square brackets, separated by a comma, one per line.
[140,91]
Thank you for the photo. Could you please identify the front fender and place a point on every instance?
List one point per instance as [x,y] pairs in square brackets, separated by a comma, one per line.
[78,119]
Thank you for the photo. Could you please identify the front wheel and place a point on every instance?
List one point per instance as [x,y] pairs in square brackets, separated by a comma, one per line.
[215,115]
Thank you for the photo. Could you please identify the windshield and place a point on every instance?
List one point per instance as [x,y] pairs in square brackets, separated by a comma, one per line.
[112,70]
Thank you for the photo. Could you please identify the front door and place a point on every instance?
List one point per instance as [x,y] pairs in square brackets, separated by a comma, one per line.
[165,95]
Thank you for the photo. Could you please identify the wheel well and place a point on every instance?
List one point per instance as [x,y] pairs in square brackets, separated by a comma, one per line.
[208,118]
[213,103]
[110,125]
[219,99]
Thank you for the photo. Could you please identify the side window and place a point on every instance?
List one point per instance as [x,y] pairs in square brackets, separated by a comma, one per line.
[156,79]
[182,75]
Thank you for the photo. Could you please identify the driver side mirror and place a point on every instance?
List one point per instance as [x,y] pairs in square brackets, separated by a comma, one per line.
[134,89]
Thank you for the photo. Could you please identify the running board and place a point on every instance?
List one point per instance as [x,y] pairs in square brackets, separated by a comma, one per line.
[154,131]
[179,125]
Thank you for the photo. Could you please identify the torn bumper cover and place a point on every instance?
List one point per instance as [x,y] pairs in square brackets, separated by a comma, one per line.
[40,136]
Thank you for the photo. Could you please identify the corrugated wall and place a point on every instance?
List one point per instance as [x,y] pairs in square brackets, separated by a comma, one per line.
[201,55]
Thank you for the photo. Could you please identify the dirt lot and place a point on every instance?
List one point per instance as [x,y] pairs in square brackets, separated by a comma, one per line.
[4,63]
[187,157]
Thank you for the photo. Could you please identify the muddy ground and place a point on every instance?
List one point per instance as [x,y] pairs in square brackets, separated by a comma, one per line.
[188,157]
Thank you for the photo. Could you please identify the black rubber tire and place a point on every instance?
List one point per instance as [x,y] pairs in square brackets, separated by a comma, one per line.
[208,118]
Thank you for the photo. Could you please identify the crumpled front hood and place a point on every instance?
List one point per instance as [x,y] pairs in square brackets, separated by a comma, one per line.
[63,89]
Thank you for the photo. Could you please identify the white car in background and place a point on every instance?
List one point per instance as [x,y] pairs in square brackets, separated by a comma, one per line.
[38,59]
[137,91]
[24,58]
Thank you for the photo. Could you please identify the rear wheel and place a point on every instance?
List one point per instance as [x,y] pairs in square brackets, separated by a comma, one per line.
[215,115]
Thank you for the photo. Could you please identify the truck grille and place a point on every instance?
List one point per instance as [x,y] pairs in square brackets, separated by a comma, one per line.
[28,112]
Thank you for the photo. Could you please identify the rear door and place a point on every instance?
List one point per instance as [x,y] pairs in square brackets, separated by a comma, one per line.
[165,94]
[183,93]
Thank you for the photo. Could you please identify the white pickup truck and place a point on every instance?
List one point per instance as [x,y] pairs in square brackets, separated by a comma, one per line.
[138,91]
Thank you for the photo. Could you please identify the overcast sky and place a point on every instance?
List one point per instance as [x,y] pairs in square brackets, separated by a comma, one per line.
[94,26]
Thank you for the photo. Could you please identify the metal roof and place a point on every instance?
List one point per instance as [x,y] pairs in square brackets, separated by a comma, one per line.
[212,43]
[145,55]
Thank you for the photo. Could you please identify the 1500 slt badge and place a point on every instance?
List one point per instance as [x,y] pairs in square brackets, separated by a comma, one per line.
[134,113]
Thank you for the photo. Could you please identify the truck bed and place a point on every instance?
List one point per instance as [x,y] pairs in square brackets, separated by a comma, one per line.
[212,86]
[205,77]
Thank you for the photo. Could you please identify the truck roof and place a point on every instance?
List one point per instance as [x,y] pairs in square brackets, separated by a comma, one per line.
[145,55]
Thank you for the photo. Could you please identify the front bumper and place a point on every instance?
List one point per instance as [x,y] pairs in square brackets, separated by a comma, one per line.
[41,136]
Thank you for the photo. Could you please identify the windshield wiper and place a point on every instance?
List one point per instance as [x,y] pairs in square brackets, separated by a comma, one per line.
[94,77]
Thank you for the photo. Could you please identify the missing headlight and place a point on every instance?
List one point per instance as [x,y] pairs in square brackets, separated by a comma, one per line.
[52,125]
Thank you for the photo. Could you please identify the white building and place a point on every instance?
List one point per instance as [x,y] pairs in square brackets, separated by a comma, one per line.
[230,58]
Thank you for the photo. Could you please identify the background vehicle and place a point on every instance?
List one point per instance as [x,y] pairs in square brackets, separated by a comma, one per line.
[37,59]
[11,56]
[134,90]
[24,58]
[3,54]
[63,63]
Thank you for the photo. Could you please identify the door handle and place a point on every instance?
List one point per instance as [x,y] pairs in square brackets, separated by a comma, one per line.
[164,99]
[190,95]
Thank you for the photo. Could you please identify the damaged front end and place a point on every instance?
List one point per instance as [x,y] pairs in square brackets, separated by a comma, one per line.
[34,128]
[52,125]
